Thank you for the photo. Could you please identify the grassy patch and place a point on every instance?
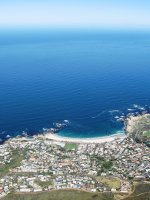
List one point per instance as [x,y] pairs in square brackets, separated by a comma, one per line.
[110,182]
[147,133]
[44,184]
[61,195]
[70,146]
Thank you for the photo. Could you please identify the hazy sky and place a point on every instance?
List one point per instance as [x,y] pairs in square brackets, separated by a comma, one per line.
[75,13]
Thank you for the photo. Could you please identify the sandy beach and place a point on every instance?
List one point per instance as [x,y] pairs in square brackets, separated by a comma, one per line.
[84,140]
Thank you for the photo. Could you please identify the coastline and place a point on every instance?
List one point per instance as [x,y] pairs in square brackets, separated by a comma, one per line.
[95,140]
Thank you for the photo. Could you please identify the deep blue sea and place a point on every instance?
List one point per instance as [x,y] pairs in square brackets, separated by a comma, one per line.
[90,78]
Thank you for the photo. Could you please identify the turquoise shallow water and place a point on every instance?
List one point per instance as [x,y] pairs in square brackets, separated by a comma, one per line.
[87,77]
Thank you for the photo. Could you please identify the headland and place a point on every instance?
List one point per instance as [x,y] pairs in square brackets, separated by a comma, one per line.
[138,127]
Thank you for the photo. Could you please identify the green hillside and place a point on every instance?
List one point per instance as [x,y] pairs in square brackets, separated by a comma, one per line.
[61,195]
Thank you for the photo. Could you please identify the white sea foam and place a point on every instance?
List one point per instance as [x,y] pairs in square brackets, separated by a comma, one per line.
[116,117]
[66,121]
[139,107]
[120,119]
[130,109]
[135,105]
[113,111]
[98,115]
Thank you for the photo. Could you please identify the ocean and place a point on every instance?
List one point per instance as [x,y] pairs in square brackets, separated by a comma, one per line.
[93,79]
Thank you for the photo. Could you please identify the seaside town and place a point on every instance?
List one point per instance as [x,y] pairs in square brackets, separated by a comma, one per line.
[41,164]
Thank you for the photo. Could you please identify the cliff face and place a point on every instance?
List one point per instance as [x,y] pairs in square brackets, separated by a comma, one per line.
[139,128]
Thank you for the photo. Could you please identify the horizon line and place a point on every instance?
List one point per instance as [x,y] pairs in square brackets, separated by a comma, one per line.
[75,28]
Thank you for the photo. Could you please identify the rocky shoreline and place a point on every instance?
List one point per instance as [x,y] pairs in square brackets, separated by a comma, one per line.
[138,127]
